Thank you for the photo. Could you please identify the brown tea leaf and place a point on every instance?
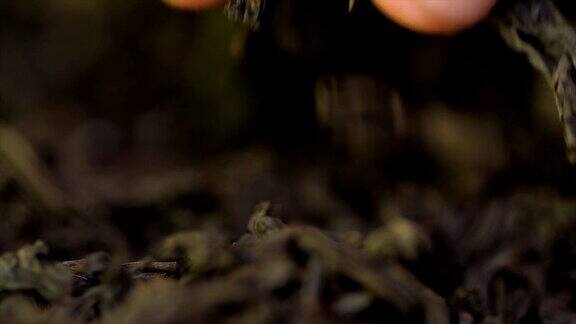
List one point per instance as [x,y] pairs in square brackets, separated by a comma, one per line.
[23,270]
[200,252]
[261,224]
[248,12]
[538,28]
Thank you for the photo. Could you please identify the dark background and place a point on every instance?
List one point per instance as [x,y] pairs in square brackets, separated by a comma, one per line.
[122,122]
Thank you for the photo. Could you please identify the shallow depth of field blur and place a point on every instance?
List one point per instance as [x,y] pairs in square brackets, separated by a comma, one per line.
[125,122]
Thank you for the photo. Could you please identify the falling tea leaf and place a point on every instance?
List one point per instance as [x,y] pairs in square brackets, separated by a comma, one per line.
[537,28]
[248,12]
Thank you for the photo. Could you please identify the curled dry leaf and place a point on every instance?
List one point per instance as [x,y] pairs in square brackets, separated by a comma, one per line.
[538,29]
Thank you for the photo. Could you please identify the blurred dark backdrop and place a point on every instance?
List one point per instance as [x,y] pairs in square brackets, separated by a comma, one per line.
[123,121]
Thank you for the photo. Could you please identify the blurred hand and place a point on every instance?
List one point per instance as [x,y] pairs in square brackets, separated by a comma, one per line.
[427,16]
[195,4]
[436,16]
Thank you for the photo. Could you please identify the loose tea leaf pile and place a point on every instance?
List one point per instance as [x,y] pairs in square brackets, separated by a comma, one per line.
[298,273]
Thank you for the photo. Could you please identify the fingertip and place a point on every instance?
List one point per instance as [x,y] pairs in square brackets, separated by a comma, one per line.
[195,4]
[436,16]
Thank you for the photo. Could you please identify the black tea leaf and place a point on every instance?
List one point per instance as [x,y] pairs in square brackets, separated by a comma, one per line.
[248,12]
[538,29]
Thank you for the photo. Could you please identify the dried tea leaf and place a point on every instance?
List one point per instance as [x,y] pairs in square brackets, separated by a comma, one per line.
[261,224]
[351,4]
[248,12]
[159,301]
[399,238]
[537,28]
[564,79]
[200,252]
[23,270]
[353,303]
[93,265]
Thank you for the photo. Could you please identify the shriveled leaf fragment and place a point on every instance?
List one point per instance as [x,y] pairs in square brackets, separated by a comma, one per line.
[301,244]
[537,28]
[201,252]
[148,269]
[351,4]
[23,270]
[398,238]
[564,79]
[87,272]
[352,304]
[159,301]
[93,265]
[113,287]
[261,223]
[248,12]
